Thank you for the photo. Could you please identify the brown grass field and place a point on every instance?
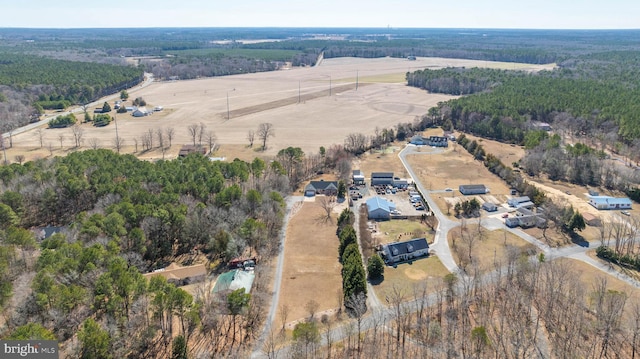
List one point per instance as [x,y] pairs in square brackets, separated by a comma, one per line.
[423,274]
[296,101]
[311,268]
[401,230]
[491,249]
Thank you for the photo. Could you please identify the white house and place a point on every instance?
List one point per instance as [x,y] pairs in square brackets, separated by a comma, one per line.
[606,202]
[140,112]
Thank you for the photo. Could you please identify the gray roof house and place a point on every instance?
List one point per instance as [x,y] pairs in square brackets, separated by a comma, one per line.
[468,189]
[403,251]
[489,207]
[329,188]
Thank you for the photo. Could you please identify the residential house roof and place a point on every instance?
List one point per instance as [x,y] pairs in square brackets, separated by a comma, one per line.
[322,186]
[472,187]
[610,200]
[381,174]
[410,246]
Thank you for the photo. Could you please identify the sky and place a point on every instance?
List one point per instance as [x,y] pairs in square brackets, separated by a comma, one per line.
[512,14]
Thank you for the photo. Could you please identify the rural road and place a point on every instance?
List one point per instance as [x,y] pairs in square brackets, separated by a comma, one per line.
[440,244]
[293,203]
[148,80]
[382,315]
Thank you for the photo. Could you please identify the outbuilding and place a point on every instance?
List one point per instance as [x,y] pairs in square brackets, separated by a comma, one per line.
[358,177]
[489,207]
[468,189]
[606,202]
[379,208]
[381,178]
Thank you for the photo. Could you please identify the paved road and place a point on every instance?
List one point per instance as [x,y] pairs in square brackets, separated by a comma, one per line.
[148,81]
[381,314]
[440,244]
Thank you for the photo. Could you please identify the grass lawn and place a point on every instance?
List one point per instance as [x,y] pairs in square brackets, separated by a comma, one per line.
[311,268]
[402,230]
[409,278]
[492,248]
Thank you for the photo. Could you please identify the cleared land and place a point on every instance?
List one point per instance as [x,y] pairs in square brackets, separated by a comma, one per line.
[295,101]
[311,268]
[401,230]
[424,274]
[489,249]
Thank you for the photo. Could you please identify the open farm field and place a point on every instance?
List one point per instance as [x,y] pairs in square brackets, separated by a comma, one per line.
[309,107]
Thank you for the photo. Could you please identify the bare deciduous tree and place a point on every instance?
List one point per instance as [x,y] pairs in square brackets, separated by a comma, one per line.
[327,203]
[118,142]
[312,307]
[201,131]
[19,158]
[210,137]
[265,130]
[40,135]
[251,135]
[94,143]
[193,132]
[171,133]
[61,139]
[78,133]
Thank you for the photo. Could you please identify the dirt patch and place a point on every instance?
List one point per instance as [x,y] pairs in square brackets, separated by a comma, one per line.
[415,274]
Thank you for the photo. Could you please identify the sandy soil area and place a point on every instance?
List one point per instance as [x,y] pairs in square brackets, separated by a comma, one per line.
[309,107]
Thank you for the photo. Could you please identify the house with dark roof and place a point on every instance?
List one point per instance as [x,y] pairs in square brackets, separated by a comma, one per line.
[396,252]
[469,189]
[328,188]
[381,178]
[185,150]
[438,141]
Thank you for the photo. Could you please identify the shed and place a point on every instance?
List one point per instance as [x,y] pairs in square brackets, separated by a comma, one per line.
[489,207]
[591,219]
[379,208]
[358,177]
[473,189]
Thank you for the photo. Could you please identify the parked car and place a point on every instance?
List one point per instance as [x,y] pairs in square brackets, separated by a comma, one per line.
[506,215]
[626,213]
[448,189]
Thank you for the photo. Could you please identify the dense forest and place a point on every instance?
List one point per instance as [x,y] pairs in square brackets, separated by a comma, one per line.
[121,217]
